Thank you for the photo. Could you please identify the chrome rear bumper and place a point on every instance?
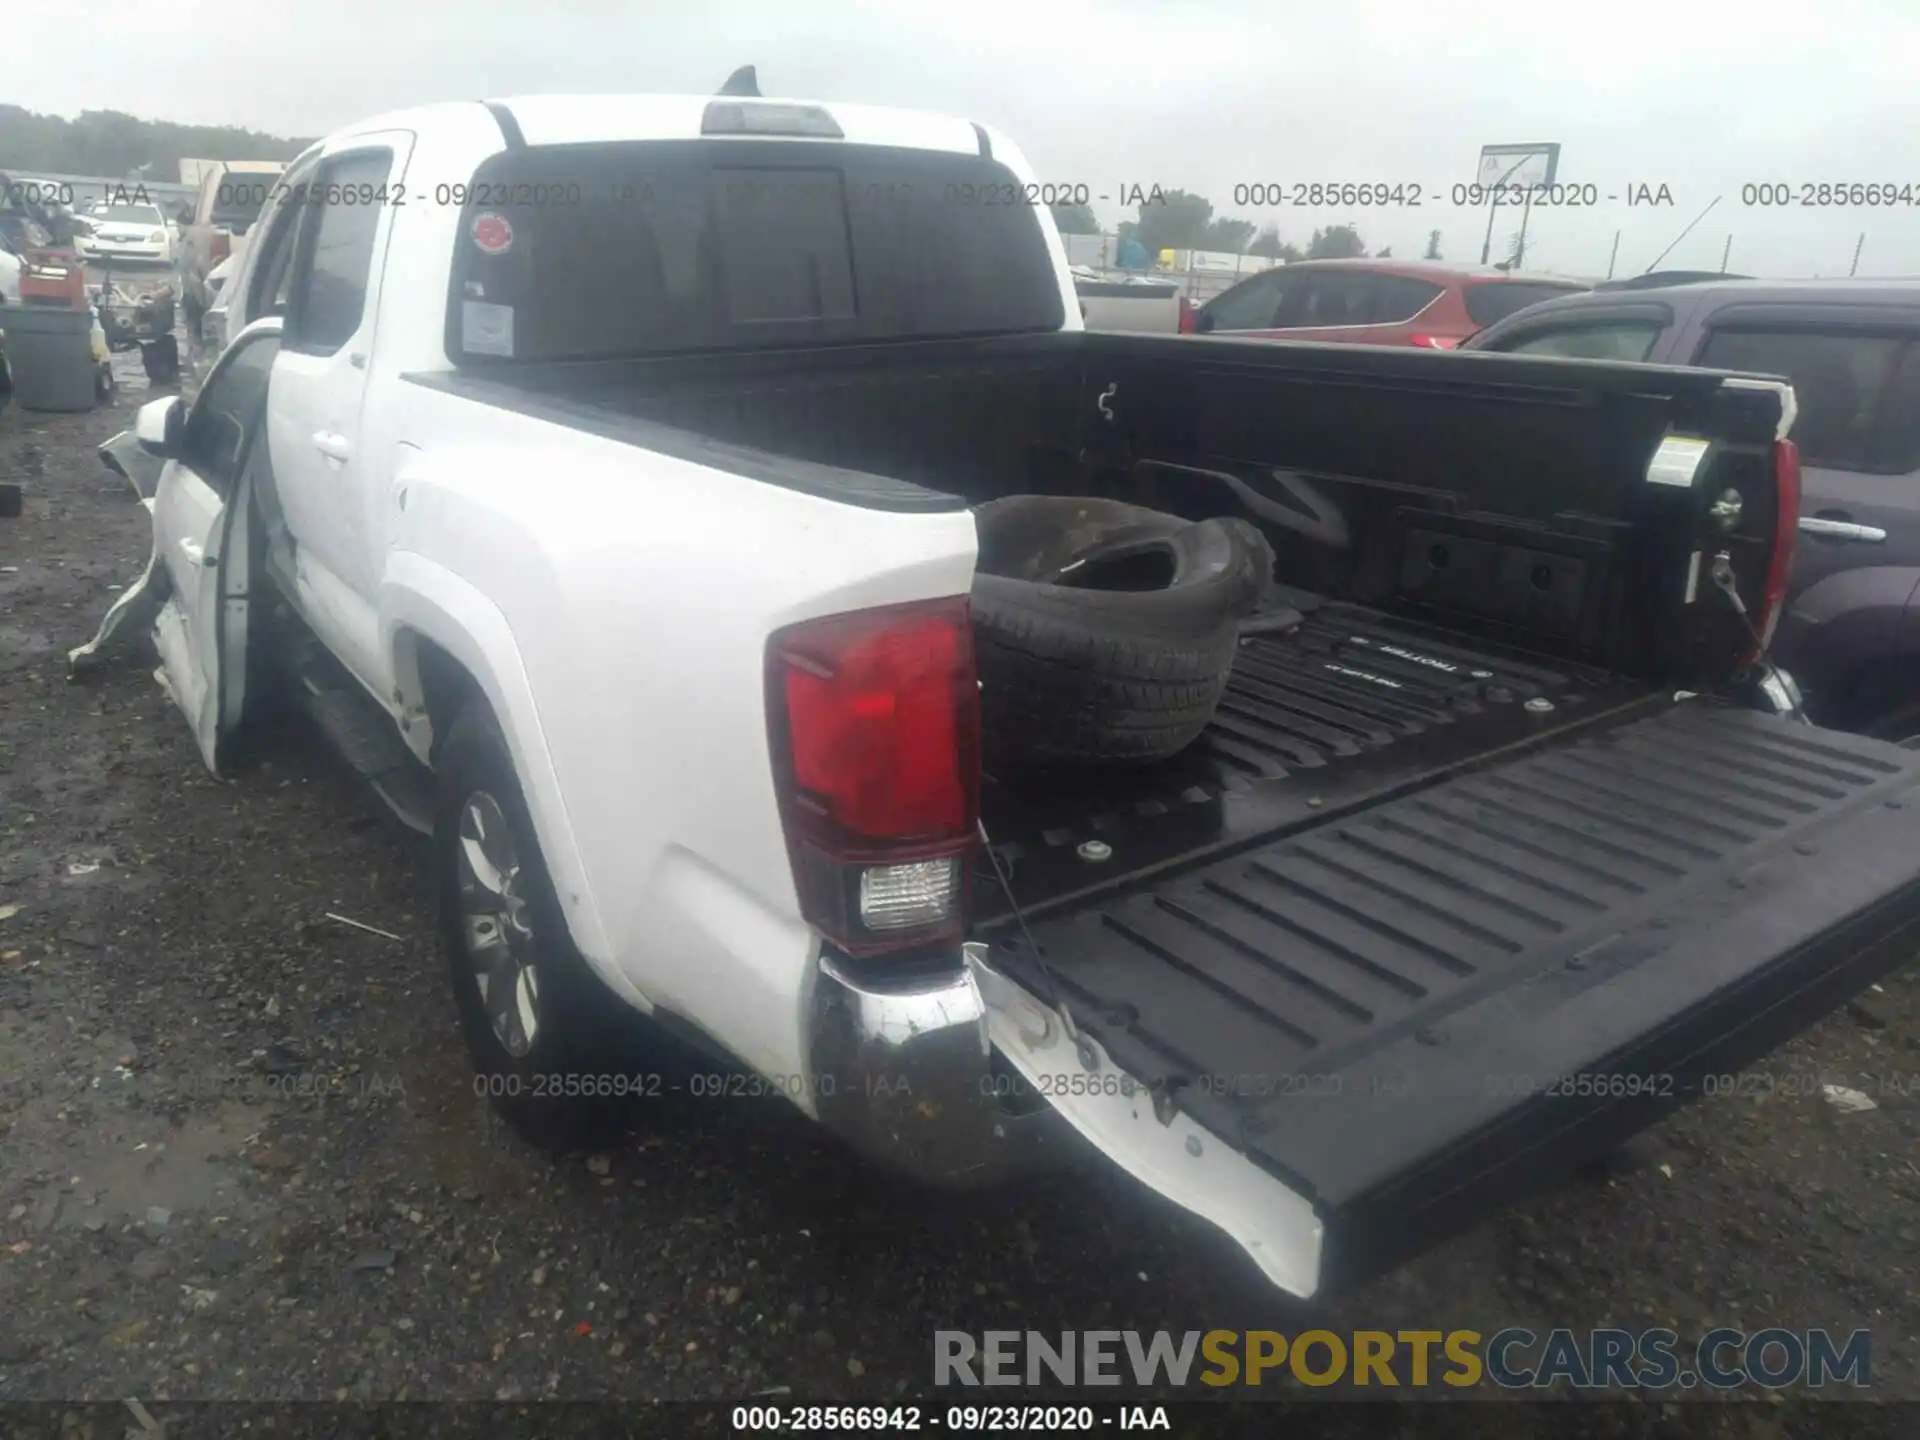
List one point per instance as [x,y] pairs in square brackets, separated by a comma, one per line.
[904,1073]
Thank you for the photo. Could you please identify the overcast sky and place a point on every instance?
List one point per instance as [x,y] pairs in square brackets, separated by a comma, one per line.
[1699,96]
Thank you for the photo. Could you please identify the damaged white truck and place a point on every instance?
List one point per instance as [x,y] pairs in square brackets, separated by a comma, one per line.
[602,474]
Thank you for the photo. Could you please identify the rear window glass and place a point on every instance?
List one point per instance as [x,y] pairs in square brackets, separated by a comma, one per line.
[1497,299]
[1613,340]
[238,197]
[1250,305]
[641,248]
[1398,298]
[330,298]
[1858,393]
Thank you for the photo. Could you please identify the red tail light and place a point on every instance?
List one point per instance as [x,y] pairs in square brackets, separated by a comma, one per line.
[1786,536]
[221,246]
[1187,312]
[1434,342]
[875,719]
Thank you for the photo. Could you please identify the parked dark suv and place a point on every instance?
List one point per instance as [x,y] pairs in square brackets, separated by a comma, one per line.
[1851,634]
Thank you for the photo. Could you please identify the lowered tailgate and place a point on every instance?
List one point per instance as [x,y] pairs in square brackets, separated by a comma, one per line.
[1354,1040]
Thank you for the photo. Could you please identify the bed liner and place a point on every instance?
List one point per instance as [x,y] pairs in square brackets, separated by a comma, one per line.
[1346,710]
[1374,1004]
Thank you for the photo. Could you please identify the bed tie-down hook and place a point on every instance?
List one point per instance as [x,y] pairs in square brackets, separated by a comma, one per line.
[1781,693]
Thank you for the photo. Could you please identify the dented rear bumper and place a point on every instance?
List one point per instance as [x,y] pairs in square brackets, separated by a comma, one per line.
[903,1070]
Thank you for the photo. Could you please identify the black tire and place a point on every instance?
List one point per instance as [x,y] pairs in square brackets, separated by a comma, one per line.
[1899,724]
[553,1091]
[1105,632]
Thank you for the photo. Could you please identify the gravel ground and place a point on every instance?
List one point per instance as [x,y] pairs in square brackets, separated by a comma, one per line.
[240,1153]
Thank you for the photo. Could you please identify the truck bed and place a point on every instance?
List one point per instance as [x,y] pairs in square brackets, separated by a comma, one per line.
[1352,707]
[1373,1006]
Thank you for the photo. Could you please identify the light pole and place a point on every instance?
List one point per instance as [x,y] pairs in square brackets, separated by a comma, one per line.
[1486,246]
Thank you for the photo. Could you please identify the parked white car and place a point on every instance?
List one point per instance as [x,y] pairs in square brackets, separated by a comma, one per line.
[127,230]
[615,517]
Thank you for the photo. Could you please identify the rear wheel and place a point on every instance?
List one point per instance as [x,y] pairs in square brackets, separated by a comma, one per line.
[1900,725]
[1881,700]
[540,1025]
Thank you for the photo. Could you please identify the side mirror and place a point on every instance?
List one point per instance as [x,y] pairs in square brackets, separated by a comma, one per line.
[1203,322]
[159,426]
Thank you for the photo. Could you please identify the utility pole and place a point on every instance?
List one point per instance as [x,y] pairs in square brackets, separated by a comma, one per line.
[1725,253]
[1859,245]
[1614,255]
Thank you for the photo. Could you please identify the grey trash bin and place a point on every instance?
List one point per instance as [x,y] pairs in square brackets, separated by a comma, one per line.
[50,352]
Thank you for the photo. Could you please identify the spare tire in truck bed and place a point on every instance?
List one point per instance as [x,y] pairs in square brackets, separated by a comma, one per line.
[1105,632]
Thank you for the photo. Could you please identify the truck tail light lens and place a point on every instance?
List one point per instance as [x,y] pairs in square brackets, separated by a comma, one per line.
[1434,342]
[1786,538]
[220,246]
[875,723]
[905,897]
[1187,312]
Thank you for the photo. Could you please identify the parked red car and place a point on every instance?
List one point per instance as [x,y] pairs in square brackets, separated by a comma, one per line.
[1375,302]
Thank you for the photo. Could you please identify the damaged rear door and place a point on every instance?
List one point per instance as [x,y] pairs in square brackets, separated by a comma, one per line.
[195,583]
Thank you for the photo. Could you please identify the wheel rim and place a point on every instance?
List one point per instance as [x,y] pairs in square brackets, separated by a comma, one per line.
[495,926]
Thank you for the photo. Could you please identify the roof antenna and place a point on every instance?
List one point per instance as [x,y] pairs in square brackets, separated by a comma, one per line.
[741,82]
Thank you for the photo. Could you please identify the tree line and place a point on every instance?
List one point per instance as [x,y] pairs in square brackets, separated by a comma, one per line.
[116,146]
[1180,220]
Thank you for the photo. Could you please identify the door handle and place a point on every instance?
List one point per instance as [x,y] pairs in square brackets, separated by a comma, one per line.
[332,444]
[191,549]
[1829,528]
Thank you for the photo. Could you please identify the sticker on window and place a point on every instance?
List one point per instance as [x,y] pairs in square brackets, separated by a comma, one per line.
[491,233]
[486,329]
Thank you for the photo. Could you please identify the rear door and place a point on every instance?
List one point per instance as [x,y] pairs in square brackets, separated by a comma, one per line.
[1249,307]
[323,477]
[1357,307]
[1856,379]
[200,547]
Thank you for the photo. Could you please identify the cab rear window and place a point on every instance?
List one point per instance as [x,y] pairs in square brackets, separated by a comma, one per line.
[642,248]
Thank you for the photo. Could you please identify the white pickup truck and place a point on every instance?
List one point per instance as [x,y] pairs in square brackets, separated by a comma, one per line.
[599,472]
